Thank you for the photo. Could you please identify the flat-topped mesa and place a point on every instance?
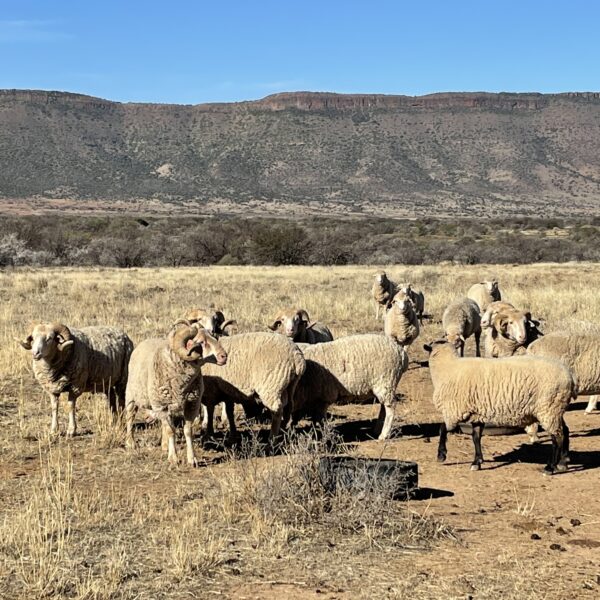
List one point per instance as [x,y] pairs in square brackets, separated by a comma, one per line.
[331,101]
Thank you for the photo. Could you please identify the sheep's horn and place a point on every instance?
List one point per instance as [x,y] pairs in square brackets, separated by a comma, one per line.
[228,323]
[179,340]
[63,332]
[26,343]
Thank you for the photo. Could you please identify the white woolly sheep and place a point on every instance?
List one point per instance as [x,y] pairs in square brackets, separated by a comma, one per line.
[165,378]
[484,294]
[581,353]
[356,369]
[460,321]
[264,367]
[295,324]
[91,359]
[417,297]
[516,391]
[401,321]
[382,292]
[213,321]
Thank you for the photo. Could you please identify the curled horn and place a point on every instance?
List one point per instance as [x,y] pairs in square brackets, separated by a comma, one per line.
[179,339]
[499,323]
[304,315]
[26,343]
[276,323]
[186,322]
[62,331]
[228,323]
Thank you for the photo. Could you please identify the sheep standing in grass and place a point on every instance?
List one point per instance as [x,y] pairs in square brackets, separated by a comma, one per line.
[213,321]
[91,359]
[352,369]
[516,391]
[581,353]
[165,378]
[382,292]
[296,325]
[484,294]
[264,367]
[461,320]
[401,322]
[417,297]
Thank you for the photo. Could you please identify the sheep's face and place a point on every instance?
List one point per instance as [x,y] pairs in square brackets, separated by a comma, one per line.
[208,347]
[291,323]
[512,325]
[492,287]
[380,278]
[406,288]
[402,304]
[45,340]
[456,342]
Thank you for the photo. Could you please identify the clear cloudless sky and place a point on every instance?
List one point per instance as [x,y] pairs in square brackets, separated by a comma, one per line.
[199,51]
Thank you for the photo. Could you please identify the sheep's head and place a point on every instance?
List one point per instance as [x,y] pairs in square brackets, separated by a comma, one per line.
[401,303]
[439,346]
[46,339]
[191,342]
[381,277]
[291,322]
[492,287]
[511,324]
[213,321]
[456,341]
[406,288]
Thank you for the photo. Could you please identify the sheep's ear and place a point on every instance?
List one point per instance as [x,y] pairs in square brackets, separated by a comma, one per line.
[26,343]
[427,347]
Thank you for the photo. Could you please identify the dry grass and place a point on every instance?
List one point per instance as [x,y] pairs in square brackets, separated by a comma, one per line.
[83,518]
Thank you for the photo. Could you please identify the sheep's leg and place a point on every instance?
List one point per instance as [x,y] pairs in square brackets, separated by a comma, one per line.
[564,458]
[532,432]
[477,340]
[168,430]
[224,415]
[592,404]
[462,349]
[442,451]
[377,306]
[560,444]
[276,417]
[228,409]
[130,410]
[190,412]
[54,398]
[72,427]
[478,460]
[119,392]
[385,420]
[208,412]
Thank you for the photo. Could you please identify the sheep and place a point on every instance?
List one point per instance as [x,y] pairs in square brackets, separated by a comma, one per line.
[165,378]
[295,324]
[355,368]
[484,294]
[507,331]
[401,321]
[91,359]
[581,353]
[213,321]
[417,297]
[262,366]
[461,320]
[518,391]
[382,292]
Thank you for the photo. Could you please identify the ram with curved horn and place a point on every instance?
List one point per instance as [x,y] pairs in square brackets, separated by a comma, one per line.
[76,361]
[213,321]
[296,325]
[165,379]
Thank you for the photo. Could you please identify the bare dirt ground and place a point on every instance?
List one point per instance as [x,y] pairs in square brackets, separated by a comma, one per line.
[84,518]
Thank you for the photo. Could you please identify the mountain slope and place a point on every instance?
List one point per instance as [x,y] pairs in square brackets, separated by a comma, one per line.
[444,154]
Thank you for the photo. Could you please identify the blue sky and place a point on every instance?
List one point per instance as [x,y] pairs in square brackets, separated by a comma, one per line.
[192,52]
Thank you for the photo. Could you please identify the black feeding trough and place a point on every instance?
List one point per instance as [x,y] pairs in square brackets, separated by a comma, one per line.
[364,475]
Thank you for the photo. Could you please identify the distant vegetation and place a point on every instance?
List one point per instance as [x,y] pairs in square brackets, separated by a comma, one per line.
[136,242]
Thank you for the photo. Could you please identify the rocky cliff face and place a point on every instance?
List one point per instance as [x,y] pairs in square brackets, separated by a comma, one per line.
[452,153]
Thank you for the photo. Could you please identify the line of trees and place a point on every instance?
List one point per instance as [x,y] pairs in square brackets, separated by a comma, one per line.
[134,242]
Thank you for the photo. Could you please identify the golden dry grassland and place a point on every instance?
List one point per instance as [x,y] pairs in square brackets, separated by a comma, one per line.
[84,518]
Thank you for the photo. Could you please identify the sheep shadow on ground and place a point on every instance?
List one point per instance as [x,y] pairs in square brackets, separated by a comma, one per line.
[580,460]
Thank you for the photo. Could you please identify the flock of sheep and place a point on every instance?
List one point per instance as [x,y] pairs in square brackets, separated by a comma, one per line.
[297,370]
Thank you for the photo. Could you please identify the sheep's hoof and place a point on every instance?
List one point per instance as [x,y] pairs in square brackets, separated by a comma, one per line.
[194,463]
[130,444]
[548,470]
[475,466]
[561,468]
[71,433]
[441,458]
